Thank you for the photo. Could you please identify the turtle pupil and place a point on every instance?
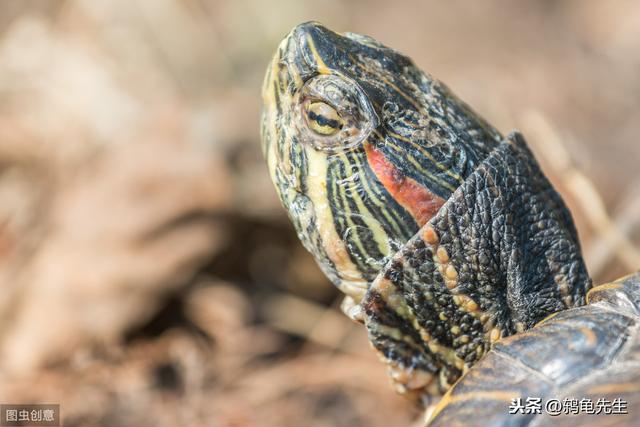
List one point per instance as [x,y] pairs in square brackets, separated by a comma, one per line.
[324,121]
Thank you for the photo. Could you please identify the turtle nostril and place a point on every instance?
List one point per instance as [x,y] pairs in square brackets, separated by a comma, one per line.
[309,27]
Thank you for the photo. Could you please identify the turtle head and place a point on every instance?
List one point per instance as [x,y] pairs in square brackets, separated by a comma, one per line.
[363,148]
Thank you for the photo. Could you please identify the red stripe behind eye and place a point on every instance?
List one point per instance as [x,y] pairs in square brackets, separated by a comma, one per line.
[421,203]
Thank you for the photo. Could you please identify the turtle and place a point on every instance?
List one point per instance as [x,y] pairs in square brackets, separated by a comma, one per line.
[449,243]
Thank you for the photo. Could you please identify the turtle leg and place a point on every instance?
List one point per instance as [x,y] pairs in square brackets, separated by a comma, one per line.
[500,255]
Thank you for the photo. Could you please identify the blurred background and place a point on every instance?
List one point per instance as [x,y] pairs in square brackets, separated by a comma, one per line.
[149,276]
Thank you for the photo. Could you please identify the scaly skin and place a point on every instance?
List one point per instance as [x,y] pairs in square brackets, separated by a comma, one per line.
[443,234]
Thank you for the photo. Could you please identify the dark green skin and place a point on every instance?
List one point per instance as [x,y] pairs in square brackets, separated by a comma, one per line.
[510,238]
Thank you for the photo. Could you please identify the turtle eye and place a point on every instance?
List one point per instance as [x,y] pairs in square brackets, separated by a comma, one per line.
[323,119]
[332,113]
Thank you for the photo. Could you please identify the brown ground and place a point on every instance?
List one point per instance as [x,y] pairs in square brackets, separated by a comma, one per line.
[148,275]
